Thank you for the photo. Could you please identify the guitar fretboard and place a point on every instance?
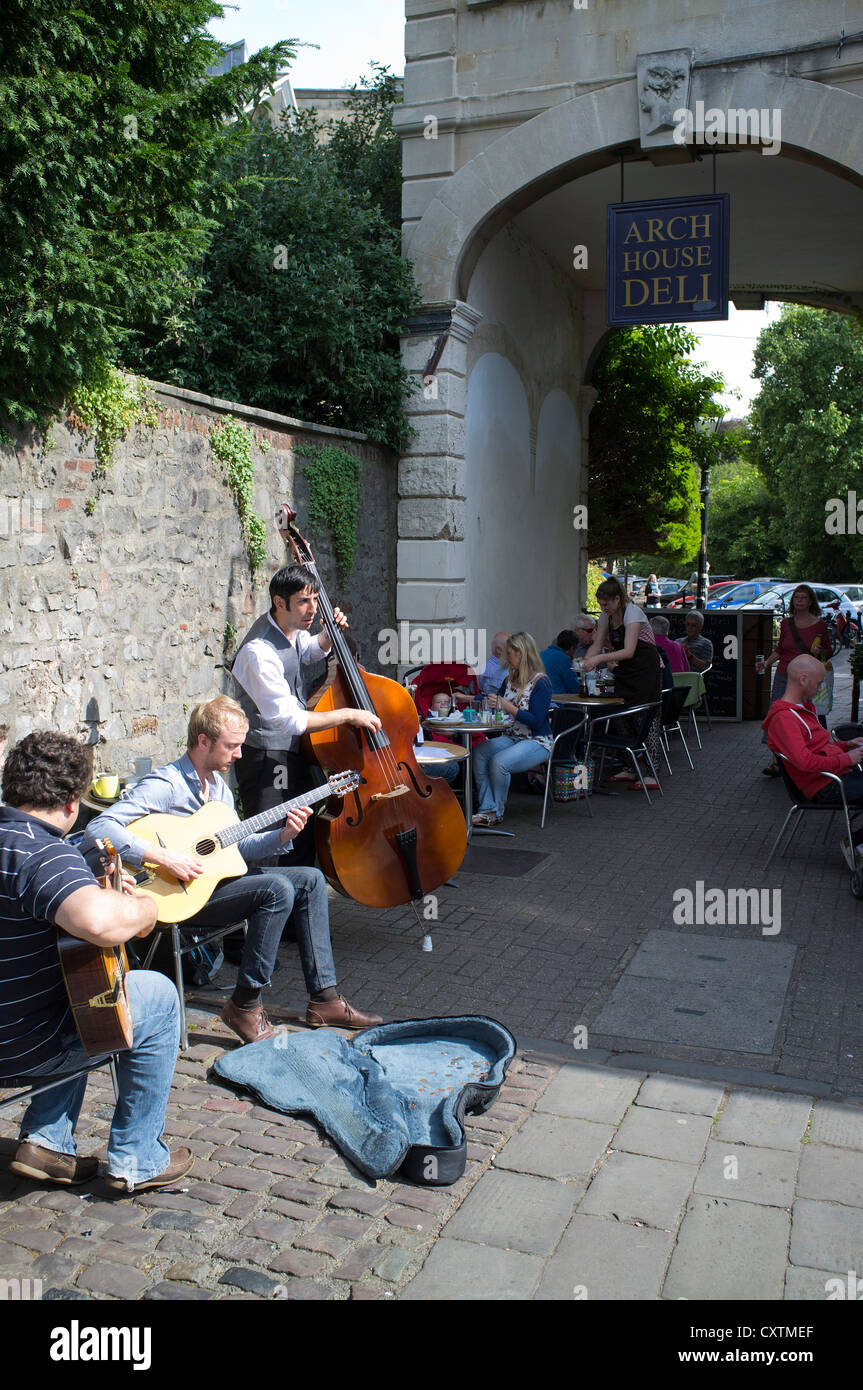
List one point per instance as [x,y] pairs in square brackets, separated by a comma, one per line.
[232,834]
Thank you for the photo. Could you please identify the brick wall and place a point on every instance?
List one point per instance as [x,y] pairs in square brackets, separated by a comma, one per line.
[112,624]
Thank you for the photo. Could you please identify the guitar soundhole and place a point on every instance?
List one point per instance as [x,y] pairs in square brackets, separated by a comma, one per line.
[205,847]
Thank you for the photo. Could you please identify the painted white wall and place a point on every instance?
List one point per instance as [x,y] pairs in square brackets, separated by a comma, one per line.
[522,444]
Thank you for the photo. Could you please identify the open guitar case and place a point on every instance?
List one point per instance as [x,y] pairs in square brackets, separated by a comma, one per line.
[392,1098]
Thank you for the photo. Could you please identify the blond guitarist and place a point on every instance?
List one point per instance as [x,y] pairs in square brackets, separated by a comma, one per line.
[45,884]
[265,898]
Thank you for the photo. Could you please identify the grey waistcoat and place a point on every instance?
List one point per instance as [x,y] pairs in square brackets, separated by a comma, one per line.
[261,733]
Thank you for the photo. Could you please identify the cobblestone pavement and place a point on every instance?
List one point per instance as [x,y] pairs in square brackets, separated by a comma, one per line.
[270,1210]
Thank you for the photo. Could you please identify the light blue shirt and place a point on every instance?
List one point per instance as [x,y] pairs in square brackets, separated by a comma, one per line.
[493,674]
[176,789]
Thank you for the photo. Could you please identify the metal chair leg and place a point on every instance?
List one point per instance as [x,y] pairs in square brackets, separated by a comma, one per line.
[178,975]
[781,833]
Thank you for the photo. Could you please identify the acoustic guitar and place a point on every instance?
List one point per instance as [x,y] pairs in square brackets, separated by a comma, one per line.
[212,834]
[95,979]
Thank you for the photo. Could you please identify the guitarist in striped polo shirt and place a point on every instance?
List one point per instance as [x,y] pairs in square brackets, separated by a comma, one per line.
[45,884]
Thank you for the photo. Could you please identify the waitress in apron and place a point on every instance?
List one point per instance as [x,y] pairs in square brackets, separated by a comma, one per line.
[633,657]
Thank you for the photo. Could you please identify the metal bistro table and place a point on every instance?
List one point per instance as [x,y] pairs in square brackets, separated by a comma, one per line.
[459,728]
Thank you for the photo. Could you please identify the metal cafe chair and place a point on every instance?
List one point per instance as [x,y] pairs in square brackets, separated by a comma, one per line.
[185,940]
[563,754]
[672,706]
[35,1085]
[801,803]
[694,683]
[633,744]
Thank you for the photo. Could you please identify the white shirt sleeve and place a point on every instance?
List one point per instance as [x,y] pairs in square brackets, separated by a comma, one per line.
[259,671]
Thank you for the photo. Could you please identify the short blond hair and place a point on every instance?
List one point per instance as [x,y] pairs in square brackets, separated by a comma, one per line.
[211,717]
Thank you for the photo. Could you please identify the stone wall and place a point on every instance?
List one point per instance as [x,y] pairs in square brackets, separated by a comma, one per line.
[113,624]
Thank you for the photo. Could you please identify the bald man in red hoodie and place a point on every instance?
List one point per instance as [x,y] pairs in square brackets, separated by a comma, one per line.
[792,729]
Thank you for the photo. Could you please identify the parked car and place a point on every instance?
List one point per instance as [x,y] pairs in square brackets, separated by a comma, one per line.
[739,595]
[830,599]
[719,586]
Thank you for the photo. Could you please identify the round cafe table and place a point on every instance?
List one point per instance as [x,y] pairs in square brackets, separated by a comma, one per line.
[463,729]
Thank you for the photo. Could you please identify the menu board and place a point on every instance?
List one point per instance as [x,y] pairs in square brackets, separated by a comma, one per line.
[738,635]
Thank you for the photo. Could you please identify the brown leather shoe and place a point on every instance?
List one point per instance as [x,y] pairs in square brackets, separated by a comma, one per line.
[181,1162]
[250,1025]
[338,1013]
[46,1165]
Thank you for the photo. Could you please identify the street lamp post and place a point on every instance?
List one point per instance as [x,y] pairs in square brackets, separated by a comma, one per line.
[704,492]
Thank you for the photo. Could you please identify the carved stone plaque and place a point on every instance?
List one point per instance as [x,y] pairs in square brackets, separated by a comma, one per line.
[663,88]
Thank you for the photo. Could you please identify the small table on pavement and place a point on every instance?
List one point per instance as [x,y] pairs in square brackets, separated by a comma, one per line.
[461,728]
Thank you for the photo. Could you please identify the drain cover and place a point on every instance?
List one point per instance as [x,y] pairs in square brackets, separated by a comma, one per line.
[706,991]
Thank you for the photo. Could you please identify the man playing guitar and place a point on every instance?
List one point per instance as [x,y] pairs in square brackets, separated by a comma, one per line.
[45,884]
[266,898]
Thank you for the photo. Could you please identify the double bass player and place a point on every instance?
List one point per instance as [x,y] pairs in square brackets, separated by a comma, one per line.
[269,677]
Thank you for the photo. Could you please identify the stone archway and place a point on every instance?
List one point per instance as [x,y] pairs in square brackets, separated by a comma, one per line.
[480,237]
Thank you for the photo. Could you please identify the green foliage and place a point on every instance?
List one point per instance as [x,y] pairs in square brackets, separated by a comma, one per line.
[107,407]
[303,288]
[334,497]
[646,448]
[231,443]
[594,579]
[108,151]
[807,432]
[746,528]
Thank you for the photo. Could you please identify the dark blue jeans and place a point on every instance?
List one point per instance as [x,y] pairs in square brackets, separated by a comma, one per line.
[267,898]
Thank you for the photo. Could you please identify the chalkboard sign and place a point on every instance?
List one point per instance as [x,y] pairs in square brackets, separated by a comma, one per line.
[723,682]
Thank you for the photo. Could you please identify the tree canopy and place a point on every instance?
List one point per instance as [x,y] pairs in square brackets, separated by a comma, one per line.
[647,446]
[746,530]
[303,287]
[807,435]
[109,148]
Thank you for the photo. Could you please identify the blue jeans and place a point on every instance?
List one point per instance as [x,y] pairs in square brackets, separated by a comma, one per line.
[136,1150]
[494,763]
[267,898]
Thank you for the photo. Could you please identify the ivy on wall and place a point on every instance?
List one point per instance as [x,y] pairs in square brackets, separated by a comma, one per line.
[231,444]
[107,407]
[334,497]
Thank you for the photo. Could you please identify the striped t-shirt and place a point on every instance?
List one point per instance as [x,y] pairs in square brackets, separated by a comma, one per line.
[38,871]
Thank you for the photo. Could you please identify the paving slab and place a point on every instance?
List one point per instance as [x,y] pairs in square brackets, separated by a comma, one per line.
[729,1250]
[555,1146]
[630,1187]
[746,1173]
[459,1270]
[664,1134]
[830,1174]
[825,1235]
[681,1093]
[769,1121]
[804,1285]
[514,1211]
[838,1123]
[591,1092]
[701,989]
[600,1258]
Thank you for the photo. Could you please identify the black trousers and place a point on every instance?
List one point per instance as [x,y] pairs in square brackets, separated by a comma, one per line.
[267,777]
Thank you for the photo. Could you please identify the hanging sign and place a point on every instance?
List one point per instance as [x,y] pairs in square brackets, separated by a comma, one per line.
[667,260]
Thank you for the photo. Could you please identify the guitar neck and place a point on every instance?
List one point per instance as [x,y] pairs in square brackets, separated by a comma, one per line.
[233,834]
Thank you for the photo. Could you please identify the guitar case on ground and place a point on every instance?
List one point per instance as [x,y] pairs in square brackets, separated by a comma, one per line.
[392,1098]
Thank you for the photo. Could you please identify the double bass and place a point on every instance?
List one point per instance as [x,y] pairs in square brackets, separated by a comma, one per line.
[399,834]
